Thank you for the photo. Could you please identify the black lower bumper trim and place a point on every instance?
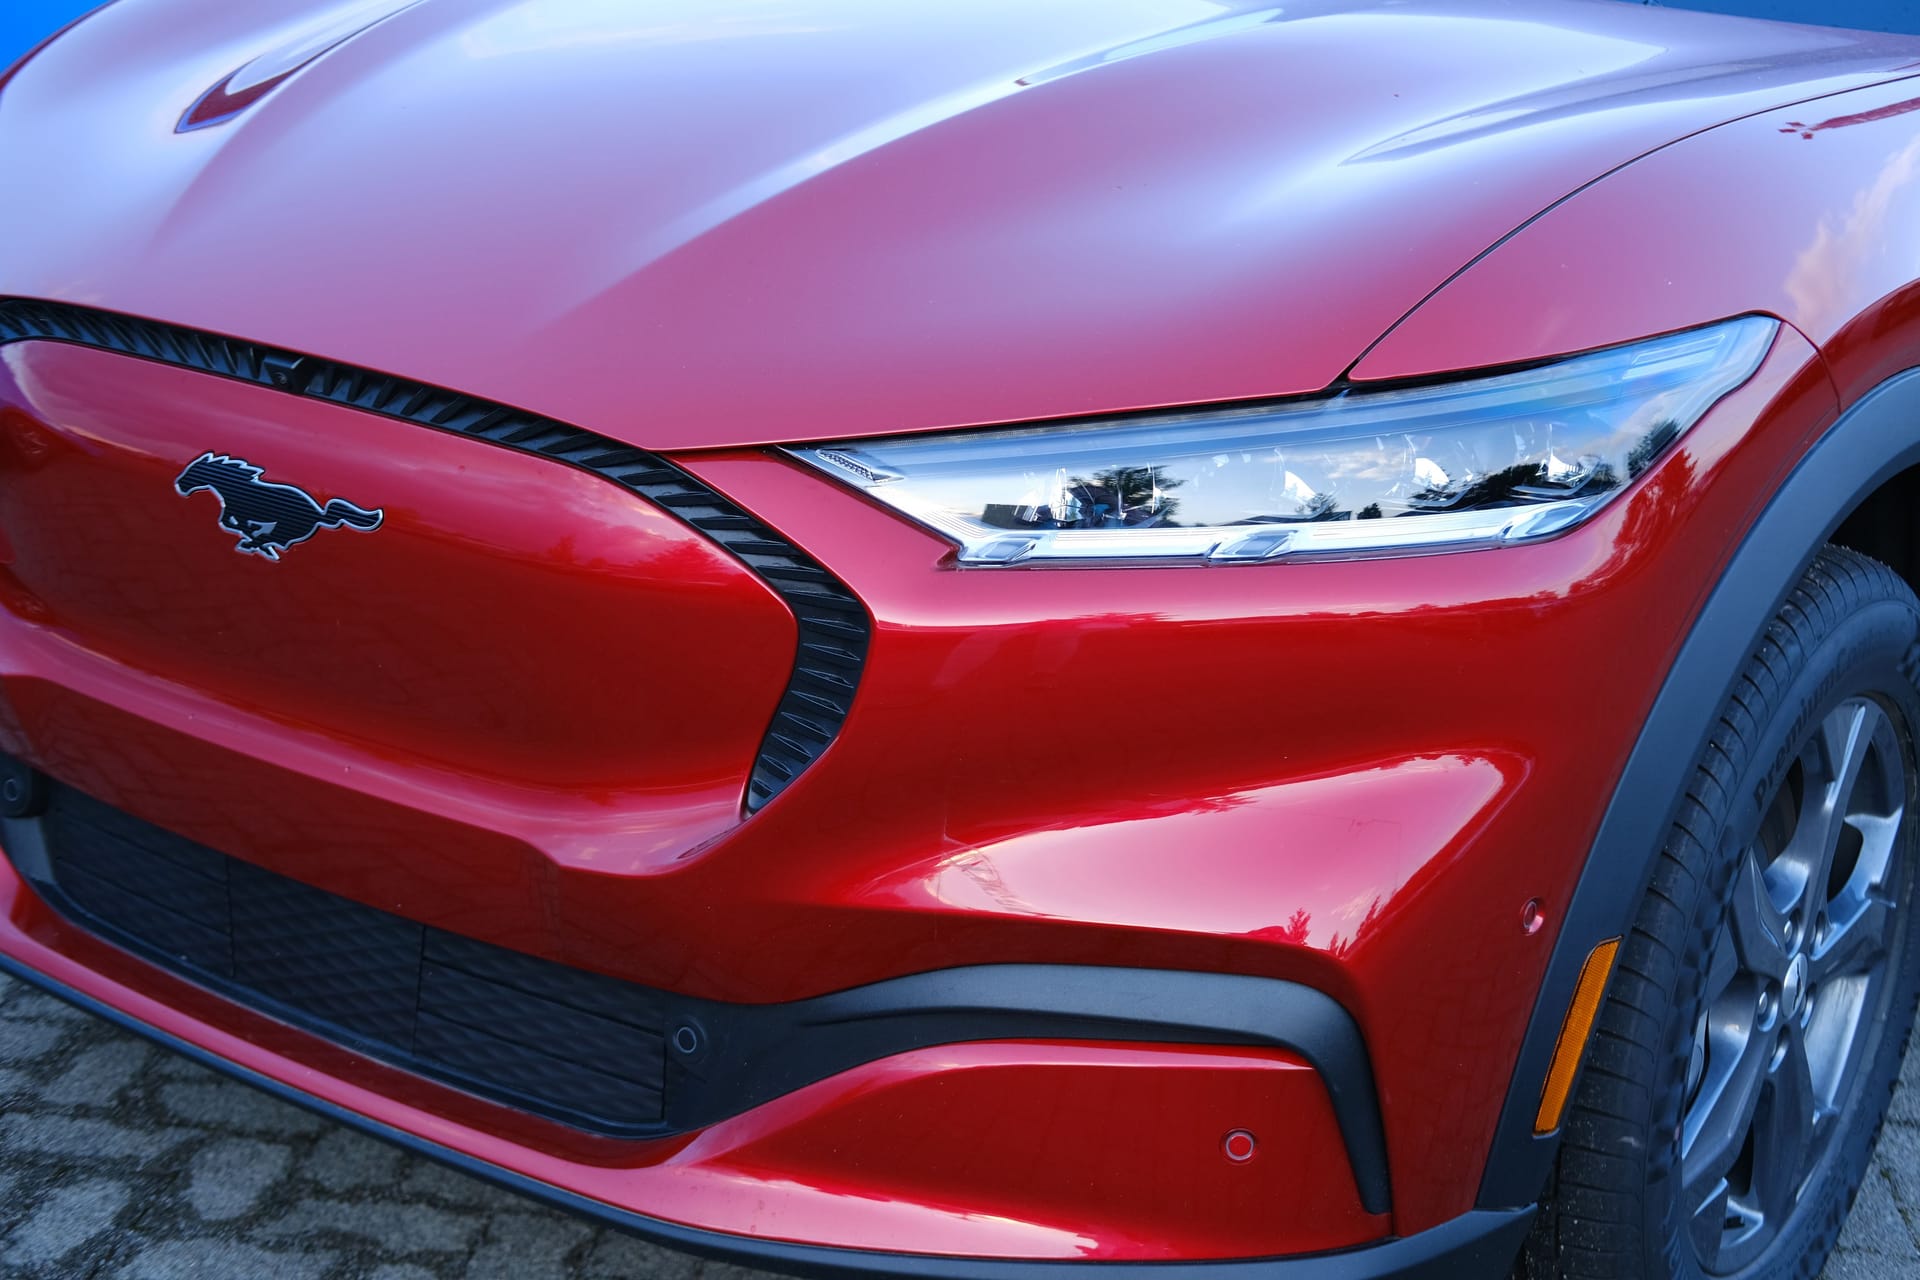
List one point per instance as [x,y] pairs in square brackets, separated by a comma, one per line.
[1480,1245]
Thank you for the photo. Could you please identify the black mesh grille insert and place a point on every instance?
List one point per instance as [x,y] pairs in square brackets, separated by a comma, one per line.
[833,626]
[573,1046]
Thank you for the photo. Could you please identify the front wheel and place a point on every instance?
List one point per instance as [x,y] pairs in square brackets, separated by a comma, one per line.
[1744,1057]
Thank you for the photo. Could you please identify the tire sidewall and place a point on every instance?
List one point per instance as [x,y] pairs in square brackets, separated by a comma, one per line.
[1873,651]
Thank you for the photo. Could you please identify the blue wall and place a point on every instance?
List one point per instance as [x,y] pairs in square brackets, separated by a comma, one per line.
[24,23]
[1868,15]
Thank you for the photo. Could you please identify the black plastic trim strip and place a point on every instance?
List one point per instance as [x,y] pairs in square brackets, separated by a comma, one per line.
[1479,1245]
[834,631]
[1872,442]
[762,1051]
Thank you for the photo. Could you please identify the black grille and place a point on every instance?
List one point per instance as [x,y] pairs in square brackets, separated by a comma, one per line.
[832,624]
[573,1046]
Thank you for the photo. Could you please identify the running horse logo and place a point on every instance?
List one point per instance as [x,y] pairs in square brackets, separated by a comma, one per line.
[267,518]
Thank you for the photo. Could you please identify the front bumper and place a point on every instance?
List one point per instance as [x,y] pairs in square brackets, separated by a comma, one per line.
[1037,1113]
[1477,1244]
[608,1057]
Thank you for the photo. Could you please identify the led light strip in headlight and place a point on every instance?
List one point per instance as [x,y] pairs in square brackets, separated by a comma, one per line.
[1480,461]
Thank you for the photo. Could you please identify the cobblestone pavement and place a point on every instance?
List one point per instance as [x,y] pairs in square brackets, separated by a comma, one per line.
[125,1162]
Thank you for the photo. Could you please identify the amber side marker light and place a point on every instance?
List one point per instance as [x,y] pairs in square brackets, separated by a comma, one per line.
[1573,1035]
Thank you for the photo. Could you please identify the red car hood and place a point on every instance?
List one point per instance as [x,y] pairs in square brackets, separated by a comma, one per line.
[696,223]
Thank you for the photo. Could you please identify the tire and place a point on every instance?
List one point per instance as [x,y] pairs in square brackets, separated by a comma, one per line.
[1642,1186]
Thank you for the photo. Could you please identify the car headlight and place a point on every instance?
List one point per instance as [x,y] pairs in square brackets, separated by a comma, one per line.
[1474,462]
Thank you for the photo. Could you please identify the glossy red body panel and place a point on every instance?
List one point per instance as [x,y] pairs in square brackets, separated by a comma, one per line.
[1350,775]
[887,1156]
[703,227]
[1830,249]
[1312,856]
[1395,836]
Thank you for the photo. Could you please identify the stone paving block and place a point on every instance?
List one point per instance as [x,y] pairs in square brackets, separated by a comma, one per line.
[1865,1266]
[345,1161]
[224,1259]
[24,1001]
[1898,1156]
[727,1271]
[231,1106]
[97,1075]
[178,1066]
[82,1138]
[1906,1099]
[402,1271]
[528,1246]
[65,1219]
[24,1041]
[1875,1225]
[436,1181]
[228,1177]
[12,1209]
[615,1255]
[397,1227]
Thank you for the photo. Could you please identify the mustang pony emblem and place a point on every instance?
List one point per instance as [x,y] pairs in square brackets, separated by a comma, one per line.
[268,518]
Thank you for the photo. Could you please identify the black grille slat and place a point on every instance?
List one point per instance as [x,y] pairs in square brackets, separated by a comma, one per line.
[523,1029]
[828,676]
[334,959]
[568,1087]
[164,884]
[109,823]
[816,654]
[577,1047]
[419,398]
[180,940]
[808,588]
[576,988]
[629,1053]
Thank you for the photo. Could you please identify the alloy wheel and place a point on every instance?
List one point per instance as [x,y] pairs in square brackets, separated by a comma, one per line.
[1794,984]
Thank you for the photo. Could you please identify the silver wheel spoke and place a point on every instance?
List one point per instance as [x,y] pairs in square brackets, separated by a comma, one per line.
[1845,735]
[1783,1129]
[1852,944]
[1840,749]
[1709,1223]
[1715,1129]
[1759,929]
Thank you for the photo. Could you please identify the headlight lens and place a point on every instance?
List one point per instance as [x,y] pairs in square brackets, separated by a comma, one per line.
[1481,461]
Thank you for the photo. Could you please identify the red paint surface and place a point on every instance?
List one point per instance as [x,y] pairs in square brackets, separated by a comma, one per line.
[688,226]
[1830,248]
[1352,775]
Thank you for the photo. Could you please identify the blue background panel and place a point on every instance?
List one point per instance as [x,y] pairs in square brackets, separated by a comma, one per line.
[1867,15]
[24,23]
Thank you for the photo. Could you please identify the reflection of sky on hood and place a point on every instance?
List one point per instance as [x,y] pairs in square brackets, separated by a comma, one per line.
[538,25]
